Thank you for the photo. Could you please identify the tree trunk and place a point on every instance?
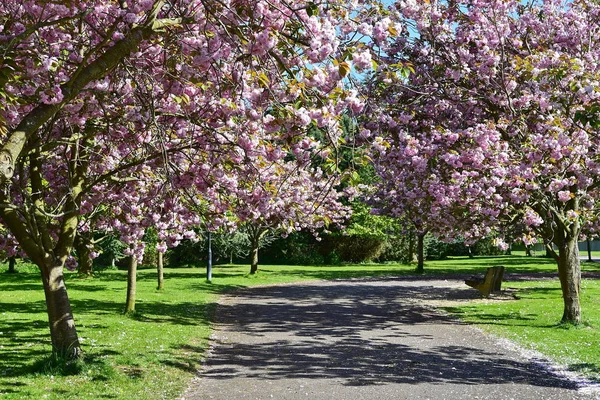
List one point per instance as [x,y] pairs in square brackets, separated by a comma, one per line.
[420,253]
[84,258]
[65,342]
[411,247]
[254,257]
[470,251]
[131,285]
[12,261]
[569,272]
[527,251]
[160,272]
[589,249]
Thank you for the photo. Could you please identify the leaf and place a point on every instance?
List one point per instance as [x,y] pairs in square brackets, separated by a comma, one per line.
[344,69]
[355,178]
[312,9]
[264,79]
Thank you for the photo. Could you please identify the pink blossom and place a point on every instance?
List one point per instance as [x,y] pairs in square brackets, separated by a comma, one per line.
[564,195]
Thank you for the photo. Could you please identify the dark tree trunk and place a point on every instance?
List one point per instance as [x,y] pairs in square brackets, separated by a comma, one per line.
[470,251]
[569,272]
[12,262]
[84,258]
[65,342]
[131,285]
[528,251]
[589,249]
[420,253]
[160,271]
[231,257]
[411,247]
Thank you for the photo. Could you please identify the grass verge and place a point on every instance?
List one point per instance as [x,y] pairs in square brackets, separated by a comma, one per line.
[153,353]
[531,320]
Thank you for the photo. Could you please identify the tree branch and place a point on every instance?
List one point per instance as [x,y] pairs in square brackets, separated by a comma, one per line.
[97,69]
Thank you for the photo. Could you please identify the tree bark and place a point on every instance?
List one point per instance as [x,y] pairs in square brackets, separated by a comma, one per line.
[569,272]
[100,67]
[86,264]
[420,253]
[589,249]
[411,247]
[254,256]
[65,342]
[131,285]
[160,272]
[12,261]
[256,233]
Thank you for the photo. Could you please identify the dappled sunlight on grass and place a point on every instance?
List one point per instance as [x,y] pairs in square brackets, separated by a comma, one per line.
[154,353]
[532,320]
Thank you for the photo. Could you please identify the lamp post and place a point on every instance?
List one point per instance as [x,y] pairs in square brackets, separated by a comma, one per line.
[209,265]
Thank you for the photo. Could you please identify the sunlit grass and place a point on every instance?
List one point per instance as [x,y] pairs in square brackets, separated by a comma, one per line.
[150,355]
[532,320]
[155,353]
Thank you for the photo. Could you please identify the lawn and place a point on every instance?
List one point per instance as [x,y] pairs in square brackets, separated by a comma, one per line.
[532,321]
[152,355]
[155,353]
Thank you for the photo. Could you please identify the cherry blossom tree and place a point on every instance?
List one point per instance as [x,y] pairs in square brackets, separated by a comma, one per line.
[501,119]
[103,99]
[279,196]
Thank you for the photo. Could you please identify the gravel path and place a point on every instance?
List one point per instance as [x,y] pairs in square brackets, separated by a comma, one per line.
[363,339]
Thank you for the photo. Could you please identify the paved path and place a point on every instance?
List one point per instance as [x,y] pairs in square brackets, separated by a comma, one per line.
[372,340]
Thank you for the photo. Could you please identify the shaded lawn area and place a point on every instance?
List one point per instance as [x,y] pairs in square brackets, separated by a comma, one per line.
[155,353]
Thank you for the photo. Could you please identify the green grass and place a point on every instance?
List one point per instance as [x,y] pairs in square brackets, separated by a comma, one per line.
[532,320]
[150,355]
[154,354]
[582,253]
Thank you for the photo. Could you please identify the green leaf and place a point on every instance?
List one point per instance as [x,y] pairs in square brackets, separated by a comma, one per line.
[312,9]
[264,79]
[344,69]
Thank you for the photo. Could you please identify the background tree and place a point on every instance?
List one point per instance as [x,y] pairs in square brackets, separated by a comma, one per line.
[285,196]
[231,245]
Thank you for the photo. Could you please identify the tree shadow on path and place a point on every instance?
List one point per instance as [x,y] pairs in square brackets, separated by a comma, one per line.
[359,334]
